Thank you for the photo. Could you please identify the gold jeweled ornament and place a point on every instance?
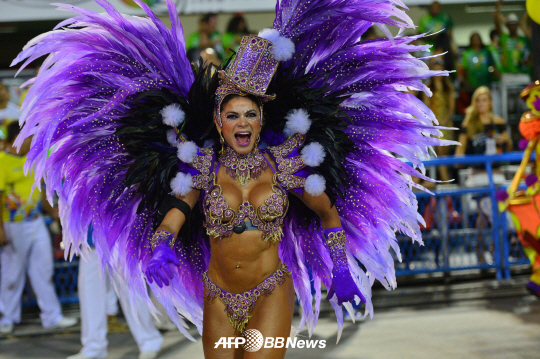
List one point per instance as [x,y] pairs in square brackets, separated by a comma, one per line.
[243,167]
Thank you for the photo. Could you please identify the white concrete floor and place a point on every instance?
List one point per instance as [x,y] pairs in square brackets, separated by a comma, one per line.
[496,329]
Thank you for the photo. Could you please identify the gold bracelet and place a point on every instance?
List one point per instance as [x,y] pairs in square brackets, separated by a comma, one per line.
[161,237]
[336,238]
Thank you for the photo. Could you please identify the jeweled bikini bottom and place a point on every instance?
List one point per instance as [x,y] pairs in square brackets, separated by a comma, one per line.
[239,306]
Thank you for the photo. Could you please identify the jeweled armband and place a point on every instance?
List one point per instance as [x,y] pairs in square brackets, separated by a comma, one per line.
[162,237]
[335,236]
[335,240]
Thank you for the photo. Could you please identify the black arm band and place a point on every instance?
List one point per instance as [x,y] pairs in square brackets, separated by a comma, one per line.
[173,202]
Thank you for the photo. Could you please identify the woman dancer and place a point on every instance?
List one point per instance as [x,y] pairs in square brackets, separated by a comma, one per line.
[284,155]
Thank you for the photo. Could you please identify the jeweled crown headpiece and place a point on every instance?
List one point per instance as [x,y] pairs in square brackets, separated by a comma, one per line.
[250,72]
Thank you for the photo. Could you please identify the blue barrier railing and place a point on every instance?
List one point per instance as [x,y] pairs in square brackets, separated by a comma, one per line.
[466,239]
[467,231]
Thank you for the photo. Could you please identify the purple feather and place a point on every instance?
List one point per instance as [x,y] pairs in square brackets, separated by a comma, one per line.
[95,67]
[98,62]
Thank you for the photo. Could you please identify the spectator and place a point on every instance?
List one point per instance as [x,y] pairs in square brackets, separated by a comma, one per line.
[483,132]
[206,36]
[435,21]
[443,46]
[495,50]
[476,63]
[236,29]
[210,56]
[515,49]
[25,240]
[442,103]
[8,112]
[94,296]
[370,34]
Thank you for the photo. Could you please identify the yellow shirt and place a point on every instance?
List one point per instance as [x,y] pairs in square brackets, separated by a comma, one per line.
[18,204]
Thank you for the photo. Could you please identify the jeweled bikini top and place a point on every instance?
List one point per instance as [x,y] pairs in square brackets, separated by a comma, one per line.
[221,219]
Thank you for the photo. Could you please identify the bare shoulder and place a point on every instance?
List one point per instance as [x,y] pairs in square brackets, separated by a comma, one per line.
[498,120]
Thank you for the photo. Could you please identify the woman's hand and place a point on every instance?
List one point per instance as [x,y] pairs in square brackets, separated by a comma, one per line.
[343,286]
[158,268]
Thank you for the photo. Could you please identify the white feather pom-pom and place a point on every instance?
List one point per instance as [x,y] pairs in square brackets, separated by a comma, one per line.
[271,35]
[173,115]
[313,154]
[187,151]
[283,49]
[171,138]
[181,184]
[209,143]
[298,121]
[315,185]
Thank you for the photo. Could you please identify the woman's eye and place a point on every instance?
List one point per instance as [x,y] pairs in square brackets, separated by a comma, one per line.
[232,117]
[252,115]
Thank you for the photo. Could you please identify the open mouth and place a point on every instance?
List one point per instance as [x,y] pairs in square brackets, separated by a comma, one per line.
[243,138]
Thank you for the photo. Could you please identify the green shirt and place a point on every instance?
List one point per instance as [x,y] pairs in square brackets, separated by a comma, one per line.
[514,51]
[477,65]
[429,23]
[495,56]
[194,39]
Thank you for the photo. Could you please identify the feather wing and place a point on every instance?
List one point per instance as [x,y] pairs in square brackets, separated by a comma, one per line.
[99,142]
[365,120]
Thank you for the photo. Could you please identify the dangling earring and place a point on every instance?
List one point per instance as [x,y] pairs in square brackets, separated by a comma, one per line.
[222,140]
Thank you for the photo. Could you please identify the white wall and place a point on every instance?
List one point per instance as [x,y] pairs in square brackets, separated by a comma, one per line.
[465,21]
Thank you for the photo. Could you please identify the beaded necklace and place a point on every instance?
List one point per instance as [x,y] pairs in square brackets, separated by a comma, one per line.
[243,167]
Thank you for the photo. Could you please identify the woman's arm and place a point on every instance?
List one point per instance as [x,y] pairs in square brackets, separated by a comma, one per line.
[343,286]
[498,17]
[504,138]
[451,102]
[175,219]
[158,267]
[524,25]
[460,150]
[322,206]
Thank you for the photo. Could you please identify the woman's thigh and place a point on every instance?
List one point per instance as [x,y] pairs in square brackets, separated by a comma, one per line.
[272,316]
[216,325]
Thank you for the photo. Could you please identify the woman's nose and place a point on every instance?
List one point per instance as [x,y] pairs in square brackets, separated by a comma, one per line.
[243,120]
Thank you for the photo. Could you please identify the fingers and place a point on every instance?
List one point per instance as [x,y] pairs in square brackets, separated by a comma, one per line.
[156,278]
[168,271]
[330,294]
[162,276]
[175,261]
[148,276]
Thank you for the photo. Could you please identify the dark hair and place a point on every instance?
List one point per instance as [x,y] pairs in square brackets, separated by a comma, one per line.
[13,131]
[493,33]
[234,24]
[442,42]
[228,98]
[206,17]
[480,37]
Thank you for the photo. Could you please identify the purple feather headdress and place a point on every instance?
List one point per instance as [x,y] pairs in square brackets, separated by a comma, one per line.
[99,63]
